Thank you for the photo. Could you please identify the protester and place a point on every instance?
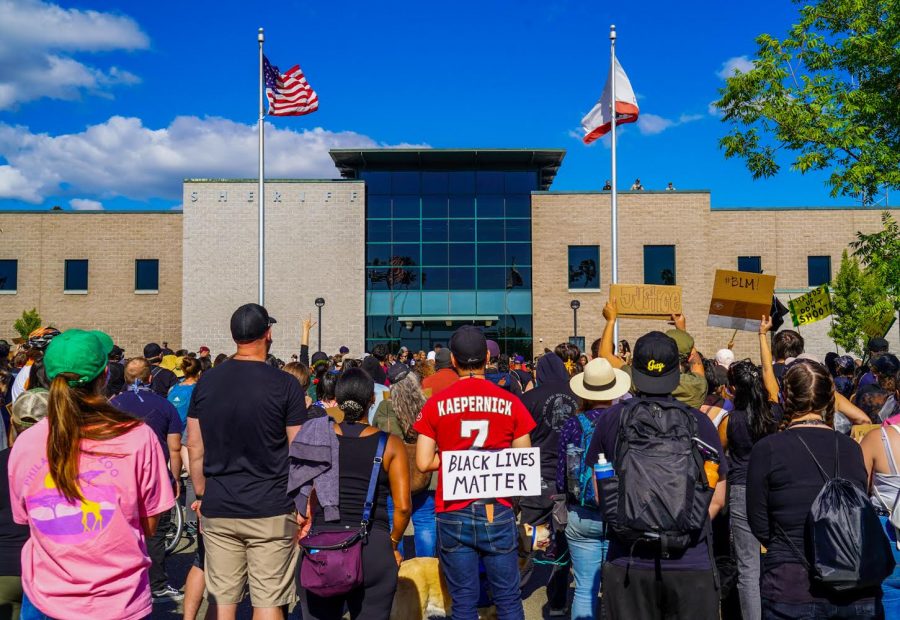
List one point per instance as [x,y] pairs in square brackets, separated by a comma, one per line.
[29,409]
[37,343]
[444,375]
[485,529]
[786,472]
[875,348]
[396,415]
[716,406]
[753,418]
[163,379]
[648,575]
[670,187]
[115,380]
[300,372]
[879,399]
[379,375]
[597,387]
[243,415]
[356,450]
[162,417]
[785,344]
[526,379]
[104,465]
[180,394]
[636,186]
[551,405]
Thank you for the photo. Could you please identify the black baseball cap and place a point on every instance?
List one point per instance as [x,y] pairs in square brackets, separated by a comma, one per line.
[654,364]
[152,351]
[878,345]
[442,359]
[468,345]
[250,322]
[397,372]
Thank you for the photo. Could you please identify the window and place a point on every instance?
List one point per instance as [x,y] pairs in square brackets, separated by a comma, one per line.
[819,268]
[750,264]
[9,275]
[659,264]
[76,276]
[146,275]
[584,266]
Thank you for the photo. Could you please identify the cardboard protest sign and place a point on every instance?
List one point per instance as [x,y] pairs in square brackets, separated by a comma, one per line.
[646,301]
[879,326]
[475,474]
[812,307]
[740,299]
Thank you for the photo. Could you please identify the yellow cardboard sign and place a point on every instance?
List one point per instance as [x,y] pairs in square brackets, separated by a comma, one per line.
[740,299]
[811,307]
[646,301]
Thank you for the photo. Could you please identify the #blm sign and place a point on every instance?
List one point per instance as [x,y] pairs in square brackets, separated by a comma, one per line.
[646,301]
[811,307]
[740,299]
[475,474]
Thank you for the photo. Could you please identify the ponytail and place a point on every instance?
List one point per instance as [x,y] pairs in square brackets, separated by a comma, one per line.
[74,414]
[750,395]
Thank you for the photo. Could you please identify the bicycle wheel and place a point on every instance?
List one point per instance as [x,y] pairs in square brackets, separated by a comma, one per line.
[176,527]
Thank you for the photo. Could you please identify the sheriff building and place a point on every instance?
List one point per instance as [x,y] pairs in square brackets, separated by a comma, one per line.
[404,248]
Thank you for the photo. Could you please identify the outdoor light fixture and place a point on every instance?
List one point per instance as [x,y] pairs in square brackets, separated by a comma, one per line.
[320,301]
[575,305]
[409,325]
[488,323]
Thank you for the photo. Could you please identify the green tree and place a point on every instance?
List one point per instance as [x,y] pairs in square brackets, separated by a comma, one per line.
[858,302]
[827,92]
[27,323]
[880,253]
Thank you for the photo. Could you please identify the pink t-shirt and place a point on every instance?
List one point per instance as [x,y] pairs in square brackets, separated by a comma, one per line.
[89,559]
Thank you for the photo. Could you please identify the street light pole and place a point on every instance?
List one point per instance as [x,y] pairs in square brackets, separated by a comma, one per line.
[575,305]
[320,301]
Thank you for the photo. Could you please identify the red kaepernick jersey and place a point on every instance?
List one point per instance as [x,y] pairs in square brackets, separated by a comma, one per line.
[472,414]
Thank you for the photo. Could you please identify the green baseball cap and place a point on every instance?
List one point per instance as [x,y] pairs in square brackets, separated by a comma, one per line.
[83,353]
[683,339]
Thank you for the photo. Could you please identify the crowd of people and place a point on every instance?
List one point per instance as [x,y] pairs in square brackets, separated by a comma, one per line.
[673,484]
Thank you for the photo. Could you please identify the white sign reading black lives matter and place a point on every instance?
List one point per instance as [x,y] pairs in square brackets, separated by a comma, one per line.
[474,474]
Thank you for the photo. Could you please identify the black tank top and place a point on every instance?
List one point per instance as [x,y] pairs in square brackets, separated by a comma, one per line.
[355,461]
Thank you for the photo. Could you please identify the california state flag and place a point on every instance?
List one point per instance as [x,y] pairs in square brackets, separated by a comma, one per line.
[597,123]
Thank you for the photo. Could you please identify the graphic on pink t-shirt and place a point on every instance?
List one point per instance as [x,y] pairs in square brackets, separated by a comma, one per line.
[73,523]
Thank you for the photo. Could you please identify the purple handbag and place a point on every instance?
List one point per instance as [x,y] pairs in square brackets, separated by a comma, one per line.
[332,561]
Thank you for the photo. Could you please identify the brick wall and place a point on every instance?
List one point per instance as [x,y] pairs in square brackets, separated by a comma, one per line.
[705,240]
[315,232]
[42,241]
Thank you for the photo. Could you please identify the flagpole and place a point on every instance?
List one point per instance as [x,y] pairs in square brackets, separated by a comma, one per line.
[614,215]
[261,189]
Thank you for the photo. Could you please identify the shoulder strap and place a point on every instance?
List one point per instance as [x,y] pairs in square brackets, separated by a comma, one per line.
[815,460]
[373,479]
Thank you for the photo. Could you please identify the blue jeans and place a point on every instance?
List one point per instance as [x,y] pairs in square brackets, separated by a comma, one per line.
[818,611]
[890,587]
[746,552]
[30,612]
[464,537]
[424,530]
[587,546]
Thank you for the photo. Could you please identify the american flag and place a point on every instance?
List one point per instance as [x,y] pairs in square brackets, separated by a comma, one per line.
[289,94]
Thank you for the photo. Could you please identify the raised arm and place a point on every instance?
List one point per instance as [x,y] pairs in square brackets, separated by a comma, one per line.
[305,328]
[765,355]
[607,350]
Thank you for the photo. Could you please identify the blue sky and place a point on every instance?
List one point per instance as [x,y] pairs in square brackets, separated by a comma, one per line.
[110,105]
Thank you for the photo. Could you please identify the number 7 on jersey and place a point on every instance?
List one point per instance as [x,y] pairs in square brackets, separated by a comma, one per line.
[479,427]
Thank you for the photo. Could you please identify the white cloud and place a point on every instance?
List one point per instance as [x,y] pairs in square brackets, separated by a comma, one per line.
[652,124]
[84,204]
[38,39]
[741,64]
[122,157]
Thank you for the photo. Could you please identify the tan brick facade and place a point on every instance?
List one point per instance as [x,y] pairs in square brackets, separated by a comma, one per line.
[110,241]
[315,247]
[705,240]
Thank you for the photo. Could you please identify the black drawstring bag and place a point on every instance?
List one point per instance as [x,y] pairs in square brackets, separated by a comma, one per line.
[846,548]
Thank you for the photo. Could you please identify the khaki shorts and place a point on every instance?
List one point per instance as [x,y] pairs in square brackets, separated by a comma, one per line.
[261,552]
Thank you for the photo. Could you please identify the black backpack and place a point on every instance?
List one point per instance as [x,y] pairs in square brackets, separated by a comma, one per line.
[846,547]
[659,495]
